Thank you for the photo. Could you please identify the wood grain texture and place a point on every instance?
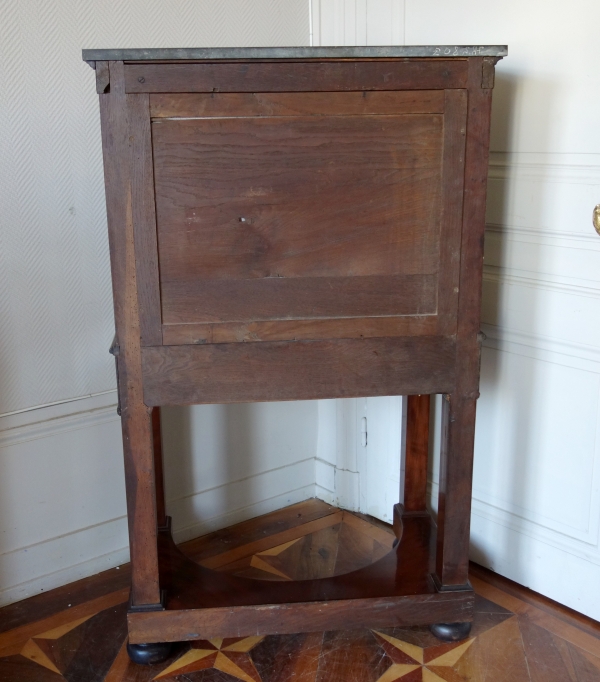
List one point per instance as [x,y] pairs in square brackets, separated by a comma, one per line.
[377,103]
[454,502]
[117,129]
[394,591]
[417,453]
[12,641]
[471,263]
[455,130]
[144,221]
[298,330]
[259,545]
[304,370]
[550,619]
[282,298]
[254,530]
[102,77]
[315,76]
[298,196]
[458,416]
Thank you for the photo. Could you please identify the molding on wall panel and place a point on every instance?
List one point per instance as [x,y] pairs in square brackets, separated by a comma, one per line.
[55,561]
[573,240]
[71,557]
[578,536]
[62,557]
[565,541]
[526,560]
[539,346]
[513,523]
[357,22]
[570,168]
[40,413]
[48,421]
[565,285]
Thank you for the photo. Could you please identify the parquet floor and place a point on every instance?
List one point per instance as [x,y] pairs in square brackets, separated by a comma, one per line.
[78,632]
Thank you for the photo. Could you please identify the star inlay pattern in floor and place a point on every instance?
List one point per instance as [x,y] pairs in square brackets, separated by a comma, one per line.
[511,641]
[231,656]
[409,658]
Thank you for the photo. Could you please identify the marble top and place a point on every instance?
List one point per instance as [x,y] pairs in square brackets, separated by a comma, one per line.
[211,53]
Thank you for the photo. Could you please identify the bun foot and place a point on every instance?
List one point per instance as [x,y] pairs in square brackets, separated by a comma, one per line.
[147,654]
[451,632]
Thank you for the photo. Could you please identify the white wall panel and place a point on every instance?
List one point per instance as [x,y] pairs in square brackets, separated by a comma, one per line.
[546,94]
[536,505]
[62,504]
[537,424]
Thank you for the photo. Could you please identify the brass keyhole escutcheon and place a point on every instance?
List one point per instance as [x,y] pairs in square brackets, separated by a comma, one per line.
[596,218]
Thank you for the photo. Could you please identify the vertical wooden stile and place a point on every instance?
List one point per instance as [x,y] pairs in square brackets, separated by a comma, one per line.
[458,417]
[119,127]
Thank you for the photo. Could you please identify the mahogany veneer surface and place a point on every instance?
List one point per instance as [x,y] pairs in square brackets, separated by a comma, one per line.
[517,635]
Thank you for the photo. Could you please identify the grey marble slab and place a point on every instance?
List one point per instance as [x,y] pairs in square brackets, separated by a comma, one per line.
[211,53]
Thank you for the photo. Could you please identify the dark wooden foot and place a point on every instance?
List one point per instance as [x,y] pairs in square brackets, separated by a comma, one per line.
[147,654]
[451,632]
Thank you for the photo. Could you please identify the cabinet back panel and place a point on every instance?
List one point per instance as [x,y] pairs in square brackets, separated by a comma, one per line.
[274,212]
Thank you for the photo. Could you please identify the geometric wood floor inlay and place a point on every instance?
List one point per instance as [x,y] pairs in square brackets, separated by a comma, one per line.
[332,545]
[78,633]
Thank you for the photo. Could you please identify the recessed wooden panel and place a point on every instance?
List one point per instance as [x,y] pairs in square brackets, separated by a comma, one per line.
[304,370]
[222,300]
[289,104]
[298,216]
[297,330]
[435,74]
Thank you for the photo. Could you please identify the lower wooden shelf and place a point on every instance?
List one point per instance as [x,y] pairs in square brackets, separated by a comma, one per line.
[397,590]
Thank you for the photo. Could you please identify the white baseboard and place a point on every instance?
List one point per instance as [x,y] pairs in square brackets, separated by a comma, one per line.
[38,568]
[62,507]
[536,564]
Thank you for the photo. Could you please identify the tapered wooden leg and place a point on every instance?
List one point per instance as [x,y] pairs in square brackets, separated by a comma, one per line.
[126,131]
[417,453]
[454,511]
[159,482]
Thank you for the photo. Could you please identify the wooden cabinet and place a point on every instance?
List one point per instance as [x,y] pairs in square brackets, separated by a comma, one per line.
[287,224]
